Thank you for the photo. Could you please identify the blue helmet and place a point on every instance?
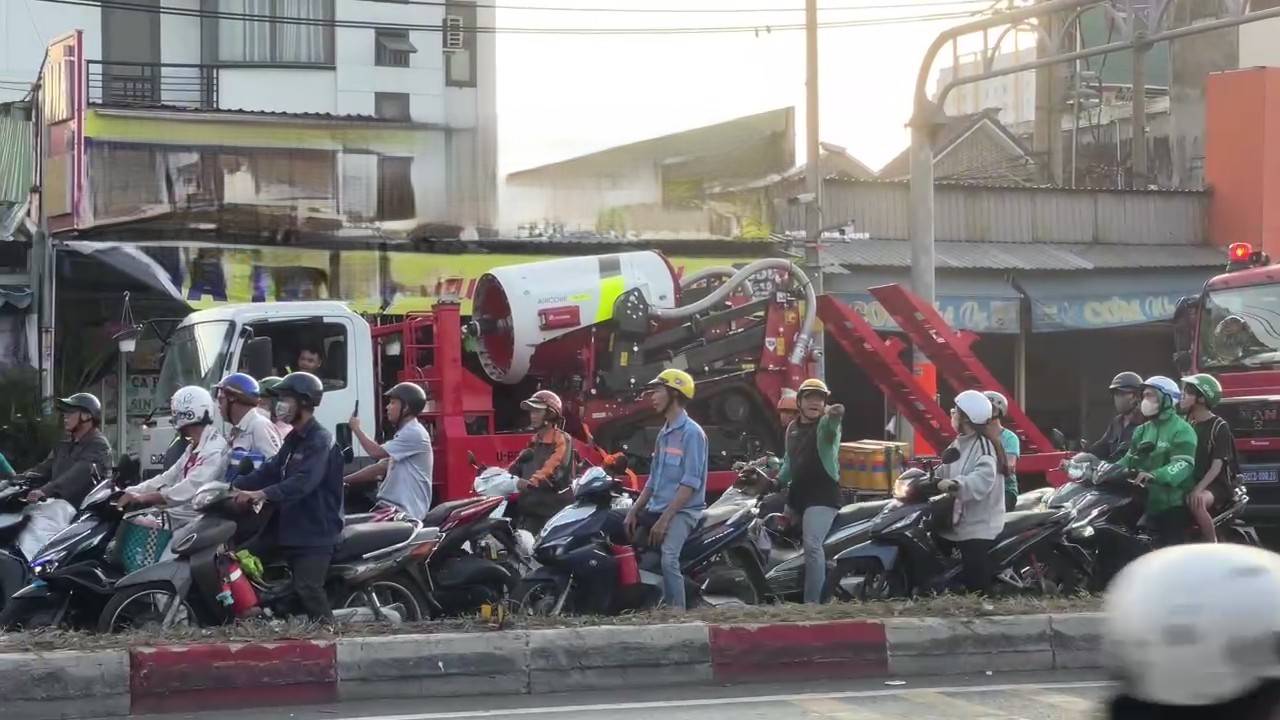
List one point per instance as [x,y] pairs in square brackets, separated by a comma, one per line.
[1164,386]
[240,384]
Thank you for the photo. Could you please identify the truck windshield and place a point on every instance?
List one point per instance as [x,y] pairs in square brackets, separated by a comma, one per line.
[1240,328]
[195,356]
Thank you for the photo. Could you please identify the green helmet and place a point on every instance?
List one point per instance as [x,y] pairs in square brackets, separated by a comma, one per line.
[1206,386]
[269,383]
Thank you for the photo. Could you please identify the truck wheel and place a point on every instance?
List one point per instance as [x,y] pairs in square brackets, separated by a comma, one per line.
[144,606]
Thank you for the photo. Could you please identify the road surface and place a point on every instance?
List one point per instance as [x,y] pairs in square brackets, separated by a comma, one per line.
[1005,696]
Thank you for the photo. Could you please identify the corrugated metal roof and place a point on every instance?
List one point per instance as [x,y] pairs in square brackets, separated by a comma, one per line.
[17,153]
[1025,256]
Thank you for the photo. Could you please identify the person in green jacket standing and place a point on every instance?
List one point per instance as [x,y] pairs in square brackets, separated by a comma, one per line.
[1166,470]
[810,470]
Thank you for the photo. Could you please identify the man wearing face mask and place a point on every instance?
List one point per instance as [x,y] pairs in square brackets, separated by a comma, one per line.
[267,405]
[304,483]
[1163,450]
[203,462]
[1126,393]
[252,434]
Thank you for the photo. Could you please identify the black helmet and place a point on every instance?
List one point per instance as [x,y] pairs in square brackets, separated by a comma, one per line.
[82,401]
[1127,381]
[411,395]
[302,385]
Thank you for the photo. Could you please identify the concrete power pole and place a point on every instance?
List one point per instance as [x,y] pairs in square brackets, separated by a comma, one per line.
[1138,16]
[813,171]
[1047,134]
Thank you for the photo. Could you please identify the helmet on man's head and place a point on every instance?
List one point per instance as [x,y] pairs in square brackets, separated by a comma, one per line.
[1166,387]
[1206,386]
[410,395]
[82,402]
[813,385]
[975,406]
[999,404]
[544,400]
[678,380]
[240,386]
[1127,380]
[191,405]
[301,385]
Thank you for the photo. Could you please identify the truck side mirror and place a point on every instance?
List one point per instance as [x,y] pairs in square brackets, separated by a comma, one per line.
[256,359]
[1184,325]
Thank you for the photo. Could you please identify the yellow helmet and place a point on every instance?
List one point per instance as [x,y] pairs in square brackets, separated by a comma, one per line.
[678,380]
[813,385]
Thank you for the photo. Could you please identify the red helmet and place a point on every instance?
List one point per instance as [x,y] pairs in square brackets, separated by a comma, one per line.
[545,400]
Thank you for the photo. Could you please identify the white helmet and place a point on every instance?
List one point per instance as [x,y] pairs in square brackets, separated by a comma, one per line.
[191,405]
[1195,624]
[975,406]
[999,405]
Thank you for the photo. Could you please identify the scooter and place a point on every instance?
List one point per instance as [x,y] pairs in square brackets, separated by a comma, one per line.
[588,565]
[203,584]
[71,579]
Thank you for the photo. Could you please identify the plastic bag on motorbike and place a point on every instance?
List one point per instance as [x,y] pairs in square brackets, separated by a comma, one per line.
[45,519]
[496,482]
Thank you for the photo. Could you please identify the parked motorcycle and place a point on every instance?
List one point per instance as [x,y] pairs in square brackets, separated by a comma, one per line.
[588,565]
[71,579]
[902,557]
[204,584]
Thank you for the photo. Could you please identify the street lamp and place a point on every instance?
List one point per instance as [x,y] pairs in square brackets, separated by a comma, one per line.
[126,342]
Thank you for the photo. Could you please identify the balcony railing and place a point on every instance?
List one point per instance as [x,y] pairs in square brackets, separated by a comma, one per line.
[153,84]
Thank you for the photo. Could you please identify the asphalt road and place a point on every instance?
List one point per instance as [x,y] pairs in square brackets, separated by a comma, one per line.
[1007,696]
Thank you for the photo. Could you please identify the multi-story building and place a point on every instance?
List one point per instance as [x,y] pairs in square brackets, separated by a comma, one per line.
[328,113]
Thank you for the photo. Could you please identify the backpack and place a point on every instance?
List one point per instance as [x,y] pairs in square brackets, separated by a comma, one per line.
[1232,466]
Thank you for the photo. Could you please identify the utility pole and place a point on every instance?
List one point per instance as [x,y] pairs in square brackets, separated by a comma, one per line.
[813,171]
[1047,134]
[1138,16]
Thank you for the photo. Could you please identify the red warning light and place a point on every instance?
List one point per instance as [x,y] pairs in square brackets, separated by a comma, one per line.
[1240,252]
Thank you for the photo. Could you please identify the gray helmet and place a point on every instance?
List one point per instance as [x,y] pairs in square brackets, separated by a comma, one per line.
[1127,380]
[86,402]
[411,395]
[302,385]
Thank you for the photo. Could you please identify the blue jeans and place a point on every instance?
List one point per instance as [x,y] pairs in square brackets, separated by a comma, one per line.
[815,525]
[678,531]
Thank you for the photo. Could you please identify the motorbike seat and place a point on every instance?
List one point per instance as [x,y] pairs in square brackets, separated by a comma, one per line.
[357,519]
[359,540]
[1017,522]
[857,512]
[435,517]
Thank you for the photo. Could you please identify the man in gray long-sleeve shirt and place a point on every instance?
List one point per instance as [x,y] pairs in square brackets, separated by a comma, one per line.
[67,473]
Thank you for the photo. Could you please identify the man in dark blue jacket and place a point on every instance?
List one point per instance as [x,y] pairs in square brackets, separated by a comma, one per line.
[304,483]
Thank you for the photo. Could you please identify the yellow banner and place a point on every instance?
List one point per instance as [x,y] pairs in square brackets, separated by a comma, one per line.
[370,281]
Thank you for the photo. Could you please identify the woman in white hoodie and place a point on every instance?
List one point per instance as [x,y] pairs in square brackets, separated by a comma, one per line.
[976,480]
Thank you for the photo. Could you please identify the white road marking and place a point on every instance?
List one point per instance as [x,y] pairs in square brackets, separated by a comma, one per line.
[955,707]
[829,708]
[712,702]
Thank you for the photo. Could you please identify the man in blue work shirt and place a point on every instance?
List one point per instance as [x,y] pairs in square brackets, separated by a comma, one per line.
[304,483]
[676,493]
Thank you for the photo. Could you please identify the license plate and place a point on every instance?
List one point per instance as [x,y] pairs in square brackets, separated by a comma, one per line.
[1260,474]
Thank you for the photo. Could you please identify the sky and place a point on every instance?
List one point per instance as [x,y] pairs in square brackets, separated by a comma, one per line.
[565,95]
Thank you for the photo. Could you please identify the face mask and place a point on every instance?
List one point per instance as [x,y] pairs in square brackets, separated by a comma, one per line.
[286,411]
[1150,408]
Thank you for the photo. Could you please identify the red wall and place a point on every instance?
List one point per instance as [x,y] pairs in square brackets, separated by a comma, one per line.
[1242,157]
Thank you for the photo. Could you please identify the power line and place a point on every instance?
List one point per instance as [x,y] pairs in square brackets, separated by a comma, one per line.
[698,11]
[364,24]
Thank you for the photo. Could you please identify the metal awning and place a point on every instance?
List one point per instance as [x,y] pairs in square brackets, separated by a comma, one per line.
[122,267]
[1098,300]
[396,43]
[977,303]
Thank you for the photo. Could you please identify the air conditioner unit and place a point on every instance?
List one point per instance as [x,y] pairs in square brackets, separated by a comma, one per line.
[453,35]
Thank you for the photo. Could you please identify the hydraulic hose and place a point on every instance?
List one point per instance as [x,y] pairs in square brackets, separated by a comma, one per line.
[741,277]
[706,274]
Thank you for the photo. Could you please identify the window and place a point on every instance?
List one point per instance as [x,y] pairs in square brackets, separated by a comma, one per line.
[318,348]
[272,42]
[391,106]
[395,188]
[392,48]
[460,45]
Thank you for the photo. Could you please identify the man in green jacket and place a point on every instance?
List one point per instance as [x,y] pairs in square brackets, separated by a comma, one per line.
[1166,469]
[810,470]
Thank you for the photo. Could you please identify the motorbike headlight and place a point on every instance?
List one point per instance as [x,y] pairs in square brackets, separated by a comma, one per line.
[1083,532]
[1075,471]
[902,488]
[45,564]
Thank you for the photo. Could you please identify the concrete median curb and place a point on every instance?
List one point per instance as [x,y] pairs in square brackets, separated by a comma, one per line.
[228,675]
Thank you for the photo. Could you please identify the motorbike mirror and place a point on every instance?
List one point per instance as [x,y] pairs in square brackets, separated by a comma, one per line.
[950,455]
[1058,438]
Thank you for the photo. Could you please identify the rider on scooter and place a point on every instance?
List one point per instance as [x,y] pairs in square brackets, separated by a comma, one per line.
[544,468]
[252,434]
[1126,395]
[1165,469]
[976,479]
[404,460]
[1215,472]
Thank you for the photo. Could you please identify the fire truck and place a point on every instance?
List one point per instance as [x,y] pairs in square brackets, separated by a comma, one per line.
[1232,330]
[594,329]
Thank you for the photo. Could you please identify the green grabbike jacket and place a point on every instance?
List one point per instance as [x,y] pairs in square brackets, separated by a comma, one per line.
[1171,463]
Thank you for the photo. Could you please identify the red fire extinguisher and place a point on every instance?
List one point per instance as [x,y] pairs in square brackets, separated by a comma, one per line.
[628,570]
[237,587]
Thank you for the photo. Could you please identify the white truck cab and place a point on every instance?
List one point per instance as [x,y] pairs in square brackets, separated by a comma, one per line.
[265,339]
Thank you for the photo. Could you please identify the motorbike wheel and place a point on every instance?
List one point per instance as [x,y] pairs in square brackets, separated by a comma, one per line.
[876,583]
[536,598]
[392,591]
[144,606]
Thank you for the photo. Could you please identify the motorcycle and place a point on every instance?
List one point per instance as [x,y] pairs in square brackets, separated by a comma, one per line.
[588,565]
[902,557]
[204,583]
[70,580]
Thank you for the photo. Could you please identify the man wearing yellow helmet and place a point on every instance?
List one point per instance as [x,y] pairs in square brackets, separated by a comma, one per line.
[809,472]
[676,491]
